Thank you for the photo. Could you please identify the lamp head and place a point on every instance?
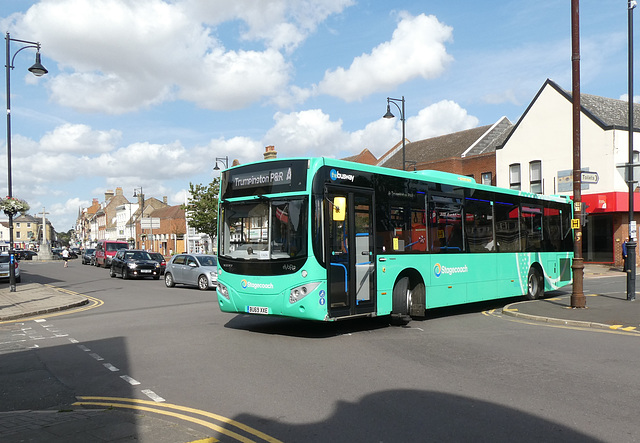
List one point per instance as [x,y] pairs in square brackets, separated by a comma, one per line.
[388,114]
[216,167]
[37,69]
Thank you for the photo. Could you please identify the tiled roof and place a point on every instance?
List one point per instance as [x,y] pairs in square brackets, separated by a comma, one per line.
[175,212]
[365,157]
[475,141]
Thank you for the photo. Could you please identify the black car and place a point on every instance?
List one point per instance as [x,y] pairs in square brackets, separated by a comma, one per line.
[87,256]
[130,263]
[160,259]
[25,254]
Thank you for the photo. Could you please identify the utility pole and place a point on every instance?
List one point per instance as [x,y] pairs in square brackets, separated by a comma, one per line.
[578,300]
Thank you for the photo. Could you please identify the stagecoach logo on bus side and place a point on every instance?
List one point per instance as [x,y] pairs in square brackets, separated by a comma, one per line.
[247,284]
[438,269]
[337,175]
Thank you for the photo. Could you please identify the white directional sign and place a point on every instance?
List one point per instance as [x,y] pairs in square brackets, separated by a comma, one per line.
[589,177]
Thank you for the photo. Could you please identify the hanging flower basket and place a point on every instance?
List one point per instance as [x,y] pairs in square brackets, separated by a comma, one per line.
[12,205]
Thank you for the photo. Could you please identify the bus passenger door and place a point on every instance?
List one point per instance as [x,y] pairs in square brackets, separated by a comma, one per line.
[350,252]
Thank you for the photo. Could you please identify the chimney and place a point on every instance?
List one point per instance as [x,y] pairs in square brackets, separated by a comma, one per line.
[270,153]
[164,199]
[119,191]
[108,195]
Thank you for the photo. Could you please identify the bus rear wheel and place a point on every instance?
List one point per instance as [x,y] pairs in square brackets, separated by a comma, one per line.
[535,284]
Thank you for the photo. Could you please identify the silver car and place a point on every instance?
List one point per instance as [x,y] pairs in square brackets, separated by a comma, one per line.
[4,268]
[199,270]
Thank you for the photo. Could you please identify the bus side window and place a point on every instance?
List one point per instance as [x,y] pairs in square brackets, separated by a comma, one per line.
[479,225]
[445,226]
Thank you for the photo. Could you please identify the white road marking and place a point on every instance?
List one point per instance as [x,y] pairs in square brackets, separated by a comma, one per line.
[130,380]
[152,395]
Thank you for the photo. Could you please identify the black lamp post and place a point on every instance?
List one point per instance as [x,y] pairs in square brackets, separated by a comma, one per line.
[390,115]
[38,70]
[137,192]
[224,160]
[632,243]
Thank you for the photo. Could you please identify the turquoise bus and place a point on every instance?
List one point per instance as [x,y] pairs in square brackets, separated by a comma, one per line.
[324,239]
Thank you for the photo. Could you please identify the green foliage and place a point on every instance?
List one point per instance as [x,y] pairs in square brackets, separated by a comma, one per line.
[202,207]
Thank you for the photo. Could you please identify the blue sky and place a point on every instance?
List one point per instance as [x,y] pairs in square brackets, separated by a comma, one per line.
[147,93]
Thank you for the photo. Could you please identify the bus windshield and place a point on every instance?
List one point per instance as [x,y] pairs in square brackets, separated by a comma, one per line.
[264,229]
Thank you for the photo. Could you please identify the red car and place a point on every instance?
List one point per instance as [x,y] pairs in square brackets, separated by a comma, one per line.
[160,259]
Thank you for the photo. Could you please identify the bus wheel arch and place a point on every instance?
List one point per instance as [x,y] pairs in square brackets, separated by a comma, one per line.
[409,296]
[535,282]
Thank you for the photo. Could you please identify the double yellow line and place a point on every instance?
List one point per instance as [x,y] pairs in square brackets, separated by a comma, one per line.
[170,410]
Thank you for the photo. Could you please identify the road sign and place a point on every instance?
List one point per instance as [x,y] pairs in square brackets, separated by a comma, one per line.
[575,223]
[589,177]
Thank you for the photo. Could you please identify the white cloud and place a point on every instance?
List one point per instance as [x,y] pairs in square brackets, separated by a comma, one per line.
[120,56]
[242,149]
[282,24]
[80,139]
[306,133]
[416,49]
[444,117]
[625,98]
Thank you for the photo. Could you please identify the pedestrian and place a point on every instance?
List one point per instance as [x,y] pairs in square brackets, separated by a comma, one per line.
[624,253]
[65,256]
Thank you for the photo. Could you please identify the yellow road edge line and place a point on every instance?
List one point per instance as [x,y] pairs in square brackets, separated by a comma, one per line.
[226,420]
[171,414]
[205,440]
[615,326]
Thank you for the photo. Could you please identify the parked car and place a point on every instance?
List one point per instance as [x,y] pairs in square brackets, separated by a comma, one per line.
[160,259]
[4,267]
[199,270]
[129,263]
[88,256]
[25,254]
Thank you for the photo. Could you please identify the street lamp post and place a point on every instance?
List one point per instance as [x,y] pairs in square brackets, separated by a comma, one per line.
[137,192]
[38,70]
[224,160]
[631,244]
[390,115]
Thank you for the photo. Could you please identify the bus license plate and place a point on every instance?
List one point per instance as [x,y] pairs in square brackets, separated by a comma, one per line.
[257,310]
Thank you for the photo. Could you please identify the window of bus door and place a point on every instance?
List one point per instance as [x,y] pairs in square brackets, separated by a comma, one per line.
[271,229]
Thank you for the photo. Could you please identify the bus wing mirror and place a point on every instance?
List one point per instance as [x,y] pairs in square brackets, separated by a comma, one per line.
[339,208]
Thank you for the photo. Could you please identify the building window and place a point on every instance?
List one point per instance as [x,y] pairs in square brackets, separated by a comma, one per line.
[487,178]
[535,176]
[17,224]
[514,176]
[18,234]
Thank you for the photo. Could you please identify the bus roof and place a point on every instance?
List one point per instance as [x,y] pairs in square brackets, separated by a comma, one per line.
[425,174]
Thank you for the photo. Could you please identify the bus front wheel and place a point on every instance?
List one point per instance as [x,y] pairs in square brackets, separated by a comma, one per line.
[535,284]
[401,302]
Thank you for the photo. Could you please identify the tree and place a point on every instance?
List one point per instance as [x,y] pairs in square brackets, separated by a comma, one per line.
[202,207]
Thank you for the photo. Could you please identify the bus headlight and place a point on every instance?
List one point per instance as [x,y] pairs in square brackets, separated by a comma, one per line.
[300,292]
[222,290]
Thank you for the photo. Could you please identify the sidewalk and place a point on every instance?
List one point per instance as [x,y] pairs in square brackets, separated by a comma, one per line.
[609,311]
[35,299]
